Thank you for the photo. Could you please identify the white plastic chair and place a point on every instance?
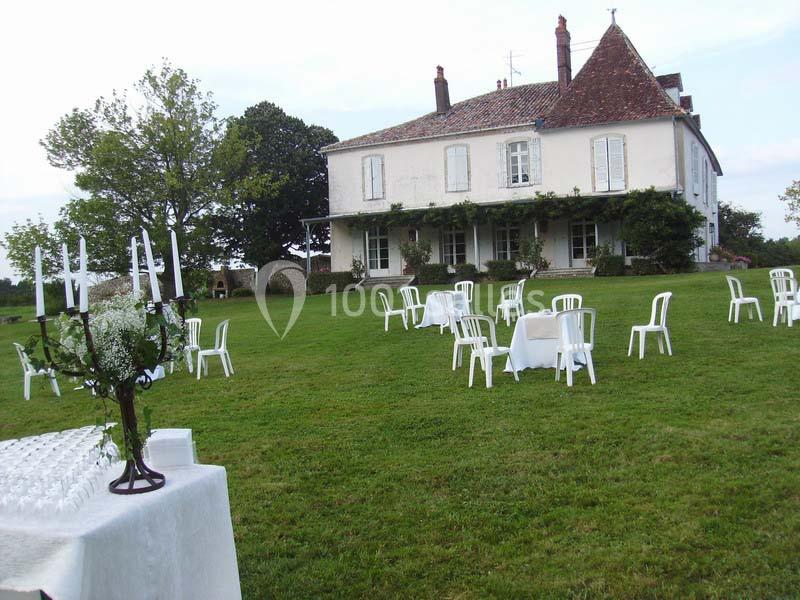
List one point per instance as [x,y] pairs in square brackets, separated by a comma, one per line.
[510,302]
[410,296]
[220,349]
[192,343]
[566,302]
[461,338]
[738,299]
[388,311]
[481,347]
[466,287]
[658,327]
[572,330]
[784,292]
[29,372]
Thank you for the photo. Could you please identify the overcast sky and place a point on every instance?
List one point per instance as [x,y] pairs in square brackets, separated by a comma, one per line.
[359,66]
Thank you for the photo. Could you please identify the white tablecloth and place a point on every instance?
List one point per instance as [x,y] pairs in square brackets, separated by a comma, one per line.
[176,542]
[534,344]
[435,313]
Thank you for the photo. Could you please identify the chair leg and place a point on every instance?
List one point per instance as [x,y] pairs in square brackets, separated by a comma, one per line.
[456,354]
[488,372]
[590,366]
[736,313]
[230,364]
[224,365]
[188,356]
[386,322]
[559,358]
[26,387]
[660,339]
[642,337]
[199,365]
[630,345]
[569,362]
[472,358]
[496,314]
[775,313]
[666,339]
[405,321]
[730,311]
[758,310]
[513,368]
[54,385]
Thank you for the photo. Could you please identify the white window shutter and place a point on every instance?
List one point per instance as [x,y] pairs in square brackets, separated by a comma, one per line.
[616,163]
[462,169]
[377,177]
[367,167]
[601,165]
[502,166]
[536,161]
[713,182]
[452,169]
[695,169]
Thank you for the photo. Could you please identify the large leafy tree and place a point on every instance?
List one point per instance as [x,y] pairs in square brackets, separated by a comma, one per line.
[792,199]
[284,179]
[20,242]
[739,229]
[661,227]
[168,163]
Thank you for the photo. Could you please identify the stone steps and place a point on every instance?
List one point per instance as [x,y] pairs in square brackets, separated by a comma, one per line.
[567,273]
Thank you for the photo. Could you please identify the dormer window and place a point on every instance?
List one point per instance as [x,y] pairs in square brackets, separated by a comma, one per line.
[608,154]
[372,168]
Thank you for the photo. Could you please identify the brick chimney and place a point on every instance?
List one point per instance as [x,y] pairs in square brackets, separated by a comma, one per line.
[442,93]
[563,53]
[499,85]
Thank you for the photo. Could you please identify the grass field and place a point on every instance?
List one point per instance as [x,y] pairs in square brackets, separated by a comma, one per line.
[360,465]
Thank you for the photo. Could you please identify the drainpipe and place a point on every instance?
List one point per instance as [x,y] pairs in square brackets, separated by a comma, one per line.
[366,253]
[475,241]
[308,249]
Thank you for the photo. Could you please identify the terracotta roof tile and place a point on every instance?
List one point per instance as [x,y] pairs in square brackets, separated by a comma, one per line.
[672,80]
[614,85]
[519,105]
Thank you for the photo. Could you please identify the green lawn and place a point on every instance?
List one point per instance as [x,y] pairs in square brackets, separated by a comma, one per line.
[360,465]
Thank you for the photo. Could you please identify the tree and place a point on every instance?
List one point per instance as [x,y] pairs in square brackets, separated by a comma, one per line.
[20,242]
[287,180]
[166,164]
[661,227]
[739,229]
[792,198]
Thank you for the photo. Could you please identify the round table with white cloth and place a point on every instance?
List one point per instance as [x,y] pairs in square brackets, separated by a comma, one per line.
[435,312]
[534,344]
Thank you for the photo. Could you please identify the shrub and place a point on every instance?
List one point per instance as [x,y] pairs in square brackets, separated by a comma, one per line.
[466,272]
[242,292]
[318,283]
[357,268]
[606,262]
[433,273]
[502,270]
[416,254]
[530,255]
[644,266]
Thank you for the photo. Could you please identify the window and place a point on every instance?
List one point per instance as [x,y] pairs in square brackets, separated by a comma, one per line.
[583,239]
[695,169]
[630,250]
[518,163]
[373,177]
[712,233]
[609,163]
[457,169]
[506,243]
[706,179]
[378,248]
[454,247]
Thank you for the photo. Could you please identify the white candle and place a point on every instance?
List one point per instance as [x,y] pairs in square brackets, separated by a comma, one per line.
[37,269]
[176,265]
[67,277]
[135,262]
[151,267]
[83,279]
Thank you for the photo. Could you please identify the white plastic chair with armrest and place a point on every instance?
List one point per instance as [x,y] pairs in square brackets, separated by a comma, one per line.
[388,311]
[572,342]
[784,293]
[566,302]
[738,299]
[220,349]
[657,325]
[484,347]
[411,303]
[29,372]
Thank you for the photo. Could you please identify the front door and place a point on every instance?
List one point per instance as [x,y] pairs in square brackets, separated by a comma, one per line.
[378,251]
[584,240]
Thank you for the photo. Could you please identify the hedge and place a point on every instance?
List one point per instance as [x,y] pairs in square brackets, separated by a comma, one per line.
[242,292]
[644,266]
[318,283]
[466,272]
[502,270]
[433,273]
[610,266]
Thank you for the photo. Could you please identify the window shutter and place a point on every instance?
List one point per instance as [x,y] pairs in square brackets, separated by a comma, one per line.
[502,166]
[601,165]
[377,177]
[616,163]
[713,182]
[367,167]
[695,169]
[462,171]
[452,170]
[536,161]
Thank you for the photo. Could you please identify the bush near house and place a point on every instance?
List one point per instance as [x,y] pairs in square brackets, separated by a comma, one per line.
[645,266]
[416,254]
[466,272]
[502,270]
[606,262]
[318,283]
[433,273]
